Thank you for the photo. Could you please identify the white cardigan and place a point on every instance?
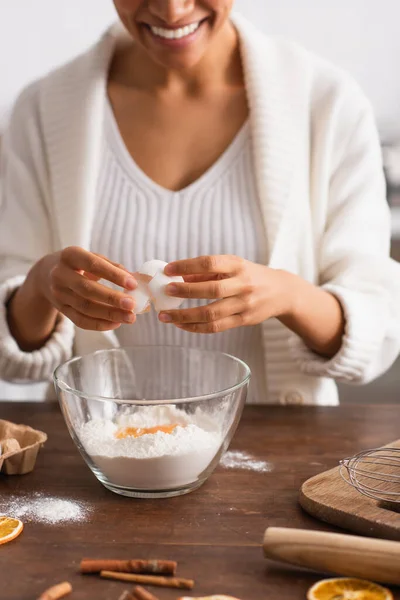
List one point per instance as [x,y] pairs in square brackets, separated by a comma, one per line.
[321,187]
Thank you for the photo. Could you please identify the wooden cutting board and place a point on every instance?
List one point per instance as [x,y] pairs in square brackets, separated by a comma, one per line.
[328,498]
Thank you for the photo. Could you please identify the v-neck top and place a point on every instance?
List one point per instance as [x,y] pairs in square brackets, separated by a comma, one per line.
[219,213]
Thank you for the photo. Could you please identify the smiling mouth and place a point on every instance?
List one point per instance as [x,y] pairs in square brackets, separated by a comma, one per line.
[175,33]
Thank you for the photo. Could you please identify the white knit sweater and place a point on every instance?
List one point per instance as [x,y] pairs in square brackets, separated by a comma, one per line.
[320,184]
[219,213]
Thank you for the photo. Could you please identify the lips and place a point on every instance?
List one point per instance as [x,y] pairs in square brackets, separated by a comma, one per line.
[175,34]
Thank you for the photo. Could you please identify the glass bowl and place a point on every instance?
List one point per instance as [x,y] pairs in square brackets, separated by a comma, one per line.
[152,421]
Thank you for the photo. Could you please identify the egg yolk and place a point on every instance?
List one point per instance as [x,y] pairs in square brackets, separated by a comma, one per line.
[139,431]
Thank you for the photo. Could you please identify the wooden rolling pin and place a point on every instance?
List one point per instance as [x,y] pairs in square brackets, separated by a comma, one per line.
[349,555]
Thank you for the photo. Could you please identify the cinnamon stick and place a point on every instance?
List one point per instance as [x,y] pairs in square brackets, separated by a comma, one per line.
[57,591]
[141,594]
[155,567]
[168,582]
[217,597]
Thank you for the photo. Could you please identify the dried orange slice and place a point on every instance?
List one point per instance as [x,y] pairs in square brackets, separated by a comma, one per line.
[139,431]
[346,588]
[9,529]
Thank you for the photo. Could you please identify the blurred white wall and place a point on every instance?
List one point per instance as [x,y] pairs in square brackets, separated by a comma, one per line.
[360,35]
[36,35]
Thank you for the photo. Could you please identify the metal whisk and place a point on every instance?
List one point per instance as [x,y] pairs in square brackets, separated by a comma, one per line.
[375,473]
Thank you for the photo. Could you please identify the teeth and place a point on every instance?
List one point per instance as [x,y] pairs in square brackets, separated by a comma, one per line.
[175,34]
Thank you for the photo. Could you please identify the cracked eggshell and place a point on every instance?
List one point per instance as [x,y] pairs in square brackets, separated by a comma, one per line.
[151,288]
[152,267]
[141,297]
[160,299]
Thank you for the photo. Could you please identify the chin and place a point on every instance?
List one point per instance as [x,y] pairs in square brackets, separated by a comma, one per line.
[178,63]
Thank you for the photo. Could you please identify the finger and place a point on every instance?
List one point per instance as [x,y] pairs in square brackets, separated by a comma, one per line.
[223,263]
[200,278]
[90,276]
[214,327]
[95,310]
[116,264]
[204,314]
[67,280]
[82,260]
[84,322]
[210,290]
[97,278]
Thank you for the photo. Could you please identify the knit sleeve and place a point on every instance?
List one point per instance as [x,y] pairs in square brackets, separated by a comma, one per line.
[16,365]
[25,237]
[354,262]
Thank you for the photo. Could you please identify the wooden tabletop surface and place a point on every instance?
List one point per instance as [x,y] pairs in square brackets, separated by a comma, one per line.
[214,533]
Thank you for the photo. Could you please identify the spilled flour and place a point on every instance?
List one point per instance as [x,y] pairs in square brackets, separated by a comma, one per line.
[42,509]
[241,460]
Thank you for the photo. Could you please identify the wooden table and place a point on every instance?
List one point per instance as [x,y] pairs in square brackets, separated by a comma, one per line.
[215,533]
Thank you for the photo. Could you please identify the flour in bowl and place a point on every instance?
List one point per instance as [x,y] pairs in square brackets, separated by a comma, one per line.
[152,448]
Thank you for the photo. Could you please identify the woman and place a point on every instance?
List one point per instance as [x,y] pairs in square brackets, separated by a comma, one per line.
[250,165]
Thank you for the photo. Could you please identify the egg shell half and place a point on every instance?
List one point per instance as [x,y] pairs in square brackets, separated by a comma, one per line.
[152,267]
[160,299]
[141,297]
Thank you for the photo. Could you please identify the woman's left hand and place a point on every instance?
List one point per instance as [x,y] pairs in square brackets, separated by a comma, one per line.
[242,293]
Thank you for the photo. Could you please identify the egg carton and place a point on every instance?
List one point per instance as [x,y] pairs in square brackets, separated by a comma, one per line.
[19,447]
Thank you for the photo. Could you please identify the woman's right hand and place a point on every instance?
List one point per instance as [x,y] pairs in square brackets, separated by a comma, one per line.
[69,280]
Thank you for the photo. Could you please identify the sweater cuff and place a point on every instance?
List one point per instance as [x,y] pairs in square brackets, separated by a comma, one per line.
[16,365]
[366,323]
